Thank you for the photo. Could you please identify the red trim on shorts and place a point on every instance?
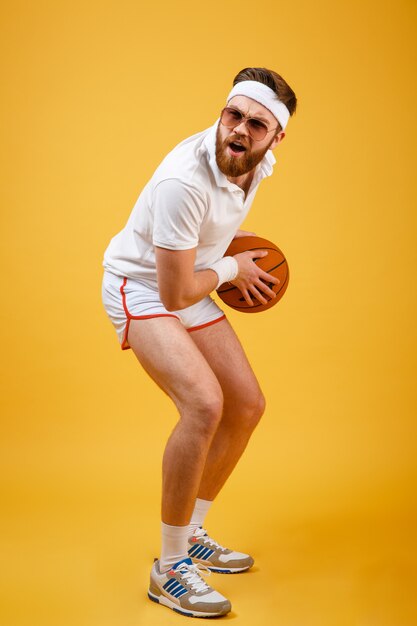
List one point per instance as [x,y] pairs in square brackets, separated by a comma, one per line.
[124,345]
[219,319]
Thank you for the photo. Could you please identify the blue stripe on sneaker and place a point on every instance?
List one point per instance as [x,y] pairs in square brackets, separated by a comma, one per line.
[169,582]
[199,551]
[194,549]
[185,561]
[179,595]
[220,571]
[172,582]
[173,590]
[200,554]
[179,592]
[206,554]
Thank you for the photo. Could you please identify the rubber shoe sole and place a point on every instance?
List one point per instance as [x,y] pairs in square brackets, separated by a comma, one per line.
[171,605]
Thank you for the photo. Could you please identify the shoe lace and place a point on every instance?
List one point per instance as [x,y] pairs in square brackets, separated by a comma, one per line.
[201,533]
[192,574]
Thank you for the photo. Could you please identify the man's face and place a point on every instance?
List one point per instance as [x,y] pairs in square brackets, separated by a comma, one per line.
[236,152]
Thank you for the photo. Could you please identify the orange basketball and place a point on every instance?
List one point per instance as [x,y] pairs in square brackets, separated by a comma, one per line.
[274,263]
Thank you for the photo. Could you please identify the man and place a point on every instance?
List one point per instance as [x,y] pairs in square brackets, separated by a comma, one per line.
[159,272]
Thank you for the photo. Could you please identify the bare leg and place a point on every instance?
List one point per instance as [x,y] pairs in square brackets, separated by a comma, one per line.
[172,359]
[243,403]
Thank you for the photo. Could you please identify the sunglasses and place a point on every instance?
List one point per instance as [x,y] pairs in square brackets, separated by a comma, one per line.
[231,118]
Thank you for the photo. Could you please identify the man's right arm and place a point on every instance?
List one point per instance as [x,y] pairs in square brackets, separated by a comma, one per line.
[180,286]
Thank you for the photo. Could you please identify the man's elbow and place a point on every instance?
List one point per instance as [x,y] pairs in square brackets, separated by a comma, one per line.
[175,306]
[171,306]
[173,301]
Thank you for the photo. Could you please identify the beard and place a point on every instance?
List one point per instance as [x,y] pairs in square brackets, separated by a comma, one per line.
[237,166]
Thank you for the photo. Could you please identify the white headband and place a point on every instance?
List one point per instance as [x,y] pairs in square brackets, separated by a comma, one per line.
[265,96]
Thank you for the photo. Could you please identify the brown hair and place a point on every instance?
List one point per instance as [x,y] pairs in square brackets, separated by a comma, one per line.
[273,80]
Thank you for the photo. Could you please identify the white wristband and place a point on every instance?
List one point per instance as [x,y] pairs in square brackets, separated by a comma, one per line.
[226,269]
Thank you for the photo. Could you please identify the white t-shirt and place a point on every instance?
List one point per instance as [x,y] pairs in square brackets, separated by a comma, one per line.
[188,203]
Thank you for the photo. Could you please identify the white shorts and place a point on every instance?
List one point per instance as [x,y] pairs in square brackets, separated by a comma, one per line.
[126,299]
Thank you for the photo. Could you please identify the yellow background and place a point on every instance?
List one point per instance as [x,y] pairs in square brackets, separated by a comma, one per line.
[94,95]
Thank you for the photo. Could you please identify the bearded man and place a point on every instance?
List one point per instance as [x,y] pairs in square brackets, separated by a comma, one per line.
[159,272]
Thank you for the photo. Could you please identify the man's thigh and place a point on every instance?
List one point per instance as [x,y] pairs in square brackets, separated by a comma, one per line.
[173,360]
[223,351]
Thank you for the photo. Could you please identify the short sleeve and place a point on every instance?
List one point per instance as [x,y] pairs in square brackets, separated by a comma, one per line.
[178,213]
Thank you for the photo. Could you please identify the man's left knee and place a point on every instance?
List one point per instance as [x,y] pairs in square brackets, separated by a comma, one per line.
[258,408]
[251,409]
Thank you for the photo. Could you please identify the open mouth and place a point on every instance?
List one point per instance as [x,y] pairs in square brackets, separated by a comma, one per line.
[236,147]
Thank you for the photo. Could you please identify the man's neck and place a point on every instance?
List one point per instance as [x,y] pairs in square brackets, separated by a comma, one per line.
[244,181]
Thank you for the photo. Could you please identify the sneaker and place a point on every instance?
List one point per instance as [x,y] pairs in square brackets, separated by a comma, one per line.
[183,590]
[206,551]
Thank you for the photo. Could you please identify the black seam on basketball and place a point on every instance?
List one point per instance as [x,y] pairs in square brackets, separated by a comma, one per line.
[271,269]
[260,248]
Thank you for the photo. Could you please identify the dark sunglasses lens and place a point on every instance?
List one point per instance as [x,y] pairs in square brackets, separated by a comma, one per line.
[257,129]
[231,117]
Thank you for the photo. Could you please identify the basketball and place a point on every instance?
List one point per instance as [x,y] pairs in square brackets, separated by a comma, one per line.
[274,263]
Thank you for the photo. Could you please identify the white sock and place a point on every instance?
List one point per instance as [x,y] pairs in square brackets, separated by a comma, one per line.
[174,545]
[199,514]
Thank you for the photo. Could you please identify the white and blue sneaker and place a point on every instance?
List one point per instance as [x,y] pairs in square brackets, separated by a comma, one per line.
[183,590]
[204,550]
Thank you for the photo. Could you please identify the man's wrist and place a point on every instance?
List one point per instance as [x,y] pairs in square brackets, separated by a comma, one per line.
[226,269]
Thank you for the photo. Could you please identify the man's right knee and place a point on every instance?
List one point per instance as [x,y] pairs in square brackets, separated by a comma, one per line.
[204,412]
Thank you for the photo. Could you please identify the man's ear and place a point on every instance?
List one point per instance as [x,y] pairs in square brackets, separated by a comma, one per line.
[277,139]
